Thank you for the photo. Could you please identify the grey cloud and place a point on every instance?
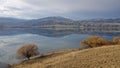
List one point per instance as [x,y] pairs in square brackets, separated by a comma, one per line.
[14,8]
[76,5]
[41,8]
[2,11]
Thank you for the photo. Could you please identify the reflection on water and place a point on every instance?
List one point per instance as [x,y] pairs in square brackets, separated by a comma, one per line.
[58,32]
[47,40]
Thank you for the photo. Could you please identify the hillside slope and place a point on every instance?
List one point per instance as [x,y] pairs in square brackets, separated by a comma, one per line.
[101,57]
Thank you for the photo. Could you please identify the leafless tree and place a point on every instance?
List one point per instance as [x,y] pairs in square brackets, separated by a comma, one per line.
[27,51]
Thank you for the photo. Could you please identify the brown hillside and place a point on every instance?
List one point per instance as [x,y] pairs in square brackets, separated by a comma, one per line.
[101,57]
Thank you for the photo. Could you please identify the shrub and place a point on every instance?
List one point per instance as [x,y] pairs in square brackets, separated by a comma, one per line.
[111,43]
[116,40]
[93,41]
[27,51]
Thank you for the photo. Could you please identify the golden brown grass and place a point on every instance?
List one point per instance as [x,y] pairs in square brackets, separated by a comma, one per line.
[101,57]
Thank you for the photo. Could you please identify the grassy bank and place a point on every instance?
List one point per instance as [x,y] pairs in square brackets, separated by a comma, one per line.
[101,57]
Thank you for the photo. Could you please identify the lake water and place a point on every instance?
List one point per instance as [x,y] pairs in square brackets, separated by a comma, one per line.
[48,40]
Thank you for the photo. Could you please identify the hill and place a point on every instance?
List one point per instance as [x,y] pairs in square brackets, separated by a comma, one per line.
[11,20]
[47,21]
[102,20]
[14,22]
[6,21]
[51,21]
[58,18]
[101,57]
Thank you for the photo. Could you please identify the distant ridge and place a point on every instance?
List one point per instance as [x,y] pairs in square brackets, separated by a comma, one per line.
[10,20]
[117,20]
[50,21]
[58,18]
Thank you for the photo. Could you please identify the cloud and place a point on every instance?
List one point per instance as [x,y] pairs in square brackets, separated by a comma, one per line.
[41,8]
[75,5]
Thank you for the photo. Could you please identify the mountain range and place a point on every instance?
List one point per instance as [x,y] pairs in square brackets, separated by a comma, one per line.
[50,21]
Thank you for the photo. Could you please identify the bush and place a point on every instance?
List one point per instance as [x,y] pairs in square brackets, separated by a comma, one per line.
[116,40]
[27,51]
[111,43]
[93,41]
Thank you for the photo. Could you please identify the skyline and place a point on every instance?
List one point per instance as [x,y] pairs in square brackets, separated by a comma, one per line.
[77,9]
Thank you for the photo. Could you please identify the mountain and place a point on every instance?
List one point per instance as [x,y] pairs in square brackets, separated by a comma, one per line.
[54,19]
[34,22]
[13,22]
[117,20]
[48,21]
[58,18]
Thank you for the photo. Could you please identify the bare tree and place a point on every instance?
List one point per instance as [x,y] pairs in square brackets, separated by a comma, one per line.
[27,51]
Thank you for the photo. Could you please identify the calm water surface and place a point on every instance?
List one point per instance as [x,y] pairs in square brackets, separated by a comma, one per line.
[47,40]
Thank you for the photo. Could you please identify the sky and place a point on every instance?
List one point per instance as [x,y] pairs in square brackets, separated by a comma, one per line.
[75,9]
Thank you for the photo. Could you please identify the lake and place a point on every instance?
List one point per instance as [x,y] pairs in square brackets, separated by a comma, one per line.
[48,40]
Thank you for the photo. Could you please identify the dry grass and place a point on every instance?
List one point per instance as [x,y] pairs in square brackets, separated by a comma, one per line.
[101,57]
